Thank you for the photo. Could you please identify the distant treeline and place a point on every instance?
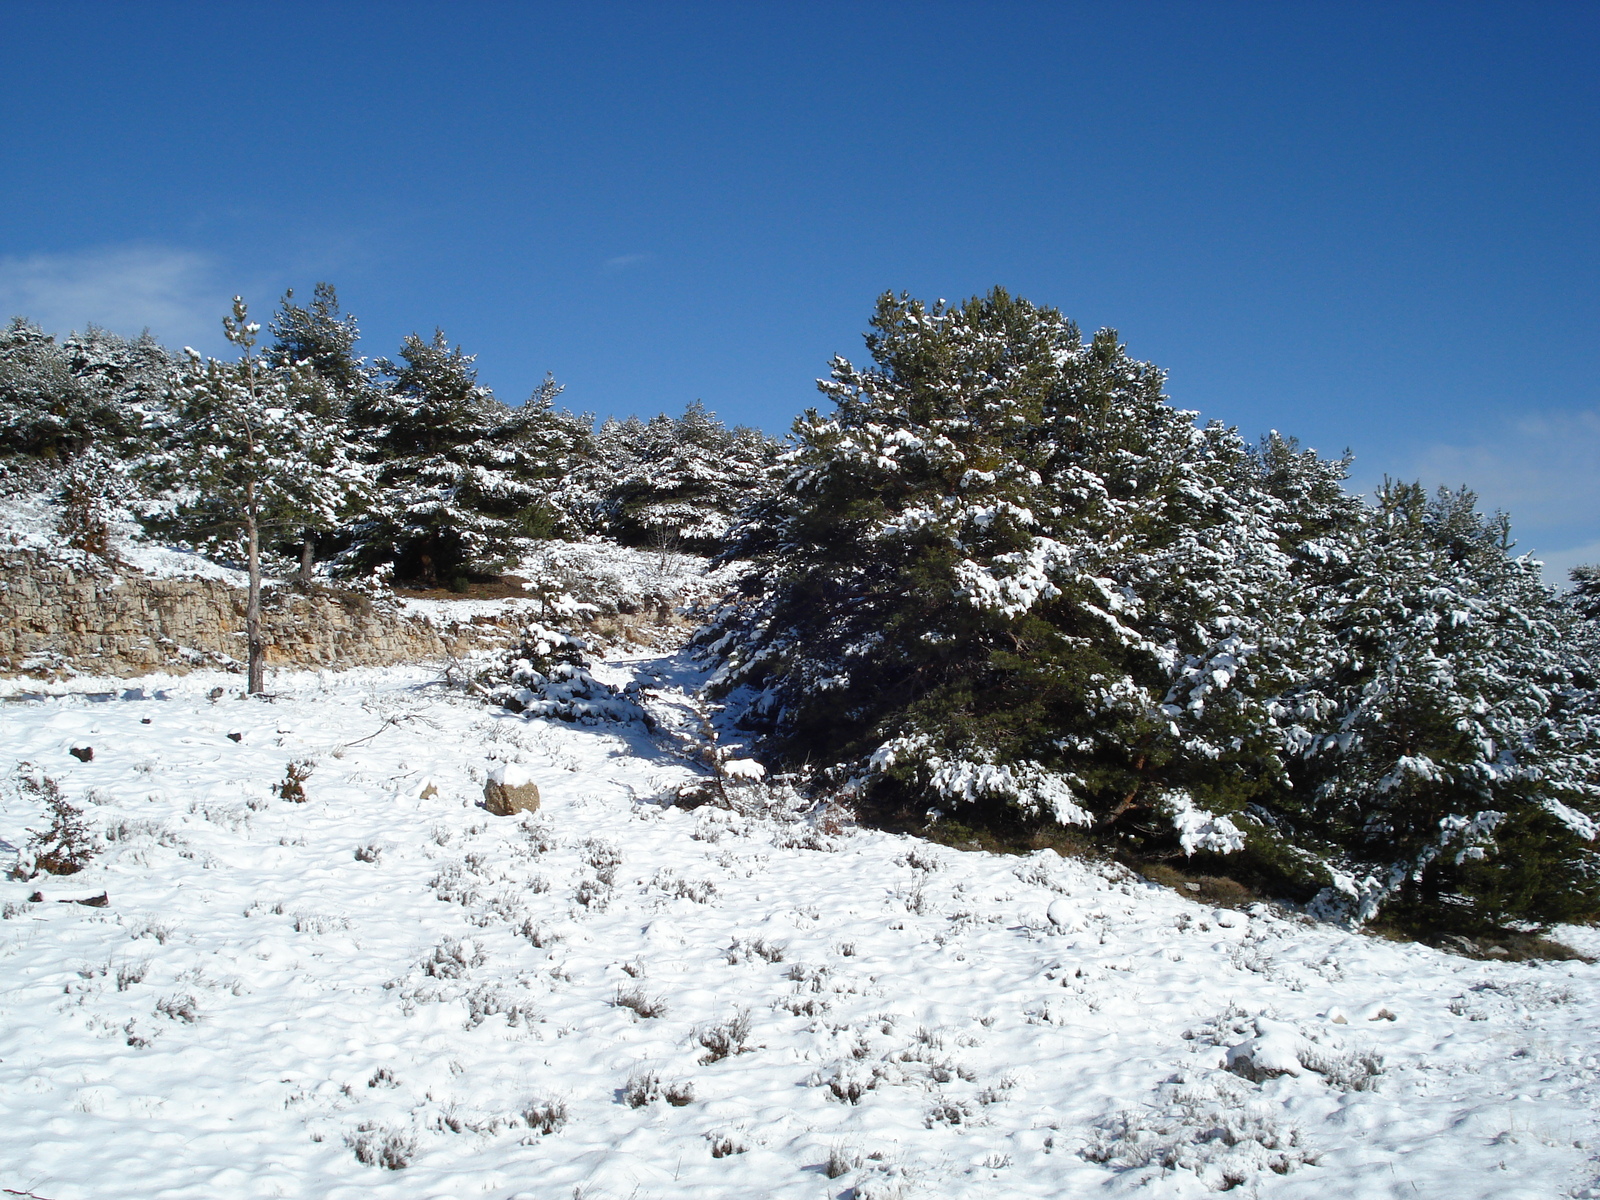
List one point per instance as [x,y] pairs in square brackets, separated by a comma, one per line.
[445,482]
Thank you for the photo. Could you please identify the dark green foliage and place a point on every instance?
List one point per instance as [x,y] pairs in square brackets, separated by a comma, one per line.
[1586,591]
[56,400]
[461,479]
[1006,579]
[322,337]
[1452,735]
[93,486]
[678,483]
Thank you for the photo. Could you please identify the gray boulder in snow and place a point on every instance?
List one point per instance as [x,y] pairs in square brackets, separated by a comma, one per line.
[510,790]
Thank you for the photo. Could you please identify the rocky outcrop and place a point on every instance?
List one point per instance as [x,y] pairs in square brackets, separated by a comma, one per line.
[55,615]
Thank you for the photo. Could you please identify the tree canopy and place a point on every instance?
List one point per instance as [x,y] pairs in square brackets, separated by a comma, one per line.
[1005,580]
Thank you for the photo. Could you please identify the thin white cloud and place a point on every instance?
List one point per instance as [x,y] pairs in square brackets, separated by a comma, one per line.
[623,261]
[1544,470]
[126,289]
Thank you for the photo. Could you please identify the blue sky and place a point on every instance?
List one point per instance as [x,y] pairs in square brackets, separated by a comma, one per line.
[1374,226]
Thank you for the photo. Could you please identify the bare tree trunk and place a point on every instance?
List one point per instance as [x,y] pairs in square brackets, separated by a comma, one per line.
[308,555]
[252,608]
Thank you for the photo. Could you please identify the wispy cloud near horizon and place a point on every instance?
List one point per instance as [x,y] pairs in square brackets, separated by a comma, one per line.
[173,293]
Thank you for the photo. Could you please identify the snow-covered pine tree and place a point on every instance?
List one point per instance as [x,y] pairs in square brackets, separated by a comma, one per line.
[1586,591]
[1447,744]
[461,479]
[323,337]
[1008,580]
[552,448]
[319,340]
[245,454]
[57,399]
[680,482]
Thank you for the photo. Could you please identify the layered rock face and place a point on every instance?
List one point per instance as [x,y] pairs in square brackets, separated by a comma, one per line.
[54,615]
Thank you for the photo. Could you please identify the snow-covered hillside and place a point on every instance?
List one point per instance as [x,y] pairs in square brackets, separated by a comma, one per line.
[385,991]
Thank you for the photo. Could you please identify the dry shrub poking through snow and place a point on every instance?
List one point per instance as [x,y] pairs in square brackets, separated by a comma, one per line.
[604,857]
[841,1161]
[727,1142]
[536,830]
[488,1001]
[725,1037]
[641,1004]
[679,1093]
[920,858]
[542,936]
[849,1083]
[294,778]
[879,1180]
[452,959]
[182,1007]
[67,845]
[947,1111]
[643,1087]
[379,1146]
[546,1116]
[745,949]
[701,891]
[1210,1128]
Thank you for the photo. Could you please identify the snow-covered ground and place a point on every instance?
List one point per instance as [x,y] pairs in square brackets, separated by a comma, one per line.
[614,998]
[29,521]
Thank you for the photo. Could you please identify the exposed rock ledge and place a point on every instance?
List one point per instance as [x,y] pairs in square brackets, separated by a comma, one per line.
[90,620]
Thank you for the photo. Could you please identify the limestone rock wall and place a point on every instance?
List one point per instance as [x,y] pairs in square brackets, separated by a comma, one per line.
[54,615]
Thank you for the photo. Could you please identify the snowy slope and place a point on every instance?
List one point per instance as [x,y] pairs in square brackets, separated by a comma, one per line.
[29,522]
[278,990]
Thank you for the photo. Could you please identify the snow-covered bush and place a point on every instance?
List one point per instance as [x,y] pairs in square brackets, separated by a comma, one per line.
[674,483]
[381,1146]
[66,845]
[546,674]
[90,389]
[546,1116]
[723,1038]
[1211,1128]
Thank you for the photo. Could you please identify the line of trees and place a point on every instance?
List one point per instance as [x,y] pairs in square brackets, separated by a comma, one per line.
[1005,583]
[405,469]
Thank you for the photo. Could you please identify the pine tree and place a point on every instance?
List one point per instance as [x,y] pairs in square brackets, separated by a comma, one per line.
[57,399]
[1453,750]
[319,341]
[1010,575]
[549,448]
[1007,580]
[244,455]
[461,479]
[1586,591]
[322,337]
[681,482]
